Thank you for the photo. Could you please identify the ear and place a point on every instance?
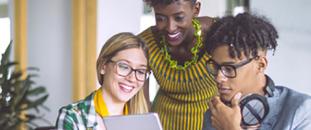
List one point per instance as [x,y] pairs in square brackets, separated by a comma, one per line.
[196,8]
[262,64]
[103,69]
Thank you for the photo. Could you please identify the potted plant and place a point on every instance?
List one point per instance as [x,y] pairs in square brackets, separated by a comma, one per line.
[18,95]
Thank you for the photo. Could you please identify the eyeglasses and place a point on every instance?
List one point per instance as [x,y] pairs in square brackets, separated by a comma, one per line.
[123,69]
[227,70]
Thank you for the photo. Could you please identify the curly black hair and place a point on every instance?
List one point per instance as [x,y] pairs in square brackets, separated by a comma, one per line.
[244,34]
[165,2]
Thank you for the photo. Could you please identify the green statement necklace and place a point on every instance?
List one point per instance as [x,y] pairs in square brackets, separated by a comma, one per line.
[194,50]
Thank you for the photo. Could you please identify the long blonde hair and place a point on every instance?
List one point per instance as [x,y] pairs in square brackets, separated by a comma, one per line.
[121,41]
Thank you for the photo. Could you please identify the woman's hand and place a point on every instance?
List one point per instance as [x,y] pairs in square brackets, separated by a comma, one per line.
[224,117]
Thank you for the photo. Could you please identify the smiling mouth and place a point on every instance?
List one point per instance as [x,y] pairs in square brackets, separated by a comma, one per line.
[125,88]
[174,36]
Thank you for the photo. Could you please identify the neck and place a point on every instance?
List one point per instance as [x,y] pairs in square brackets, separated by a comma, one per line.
[114,107]
[261,85]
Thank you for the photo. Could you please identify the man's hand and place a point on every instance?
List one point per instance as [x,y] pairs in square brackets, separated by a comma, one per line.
[224,117]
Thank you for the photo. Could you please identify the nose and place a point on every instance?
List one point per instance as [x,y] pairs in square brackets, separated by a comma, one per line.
[171,26]
[131,77]
[220,77]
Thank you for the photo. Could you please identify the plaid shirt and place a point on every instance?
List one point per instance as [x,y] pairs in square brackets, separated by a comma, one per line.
[78,116]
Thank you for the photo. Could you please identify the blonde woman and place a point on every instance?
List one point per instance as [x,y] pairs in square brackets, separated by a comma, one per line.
[122,69]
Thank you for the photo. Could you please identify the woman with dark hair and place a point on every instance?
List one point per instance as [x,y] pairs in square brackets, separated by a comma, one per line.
[178,61]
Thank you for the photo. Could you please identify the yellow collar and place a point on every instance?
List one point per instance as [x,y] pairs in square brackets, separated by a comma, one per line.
[100,105]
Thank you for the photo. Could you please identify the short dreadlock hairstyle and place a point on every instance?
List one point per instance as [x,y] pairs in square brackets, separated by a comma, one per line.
[244,33]
[165,2]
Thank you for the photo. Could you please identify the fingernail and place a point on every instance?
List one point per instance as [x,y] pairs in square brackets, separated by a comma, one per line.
[238,96]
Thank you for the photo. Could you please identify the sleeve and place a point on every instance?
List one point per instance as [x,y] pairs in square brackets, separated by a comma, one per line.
[302,120]
[66,120]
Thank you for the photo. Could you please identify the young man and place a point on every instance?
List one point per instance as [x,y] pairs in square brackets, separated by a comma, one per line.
[238,47]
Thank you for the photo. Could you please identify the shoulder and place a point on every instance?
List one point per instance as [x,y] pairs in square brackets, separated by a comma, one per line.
[292,95]
[73,113]
[82,105]
[149,36]
[300,104]
[206,22]
[302,117]
[288,109]
[295,97]
[146,33]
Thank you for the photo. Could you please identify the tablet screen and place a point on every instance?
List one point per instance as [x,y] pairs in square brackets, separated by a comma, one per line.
[149,121]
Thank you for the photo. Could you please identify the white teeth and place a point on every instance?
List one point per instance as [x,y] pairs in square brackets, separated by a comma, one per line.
[225,88]
[173,35]
[127,87]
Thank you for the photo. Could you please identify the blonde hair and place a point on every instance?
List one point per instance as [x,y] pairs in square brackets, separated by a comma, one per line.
[122,41]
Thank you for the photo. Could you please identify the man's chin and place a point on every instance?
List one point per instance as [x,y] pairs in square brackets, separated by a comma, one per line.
[225,100]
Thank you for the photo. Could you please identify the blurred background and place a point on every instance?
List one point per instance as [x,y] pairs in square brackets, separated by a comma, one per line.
[63,38]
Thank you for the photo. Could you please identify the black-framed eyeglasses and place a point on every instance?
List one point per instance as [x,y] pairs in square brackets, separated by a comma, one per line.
[123,69]
[227,70]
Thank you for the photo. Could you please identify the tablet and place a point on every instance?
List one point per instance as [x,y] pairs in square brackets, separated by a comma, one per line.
[149,121]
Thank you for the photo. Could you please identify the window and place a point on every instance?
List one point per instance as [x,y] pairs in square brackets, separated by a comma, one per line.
[5,32]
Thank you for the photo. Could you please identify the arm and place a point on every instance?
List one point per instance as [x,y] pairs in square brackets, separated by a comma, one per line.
[302,118]
[65,121]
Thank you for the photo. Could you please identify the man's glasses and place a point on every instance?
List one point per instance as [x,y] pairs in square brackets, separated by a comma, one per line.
[227,70]
[123,69]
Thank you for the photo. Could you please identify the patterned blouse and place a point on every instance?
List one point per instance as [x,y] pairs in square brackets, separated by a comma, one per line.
[183,95]
[78,116]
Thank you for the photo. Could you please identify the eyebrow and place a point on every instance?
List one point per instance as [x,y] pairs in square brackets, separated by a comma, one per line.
[228,63]
[225,63]
[178,13]
[128,62]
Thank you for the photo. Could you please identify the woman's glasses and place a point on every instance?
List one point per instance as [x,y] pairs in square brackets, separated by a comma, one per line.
[123,69]
[227,70]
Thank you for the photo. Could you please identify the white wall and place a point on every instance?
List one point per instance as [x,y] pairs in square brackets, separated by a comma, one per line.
[49,39]
[49,48]
[49,42]
[213,8]
[116,16]
[290,66]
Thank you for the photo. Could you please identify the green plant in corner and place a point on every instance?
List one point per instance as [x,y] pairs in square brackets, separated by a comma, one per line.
[19,94]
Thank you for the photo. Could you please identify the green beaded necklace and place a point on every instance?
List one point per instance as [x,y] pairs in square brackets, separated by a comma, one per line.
[194,50]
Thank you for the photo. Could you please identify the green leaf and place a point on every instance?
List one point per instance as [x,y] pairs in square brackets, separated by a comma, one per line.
[6,54]
[37,102]
[22,92]
[45,107]
[16,75]
[4,68]
[36,91]
[24,96]
[33,69]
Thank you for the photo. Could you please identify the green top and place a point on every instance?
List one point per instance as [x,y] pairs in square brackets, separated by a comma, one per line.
[78,116]
[183,95]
